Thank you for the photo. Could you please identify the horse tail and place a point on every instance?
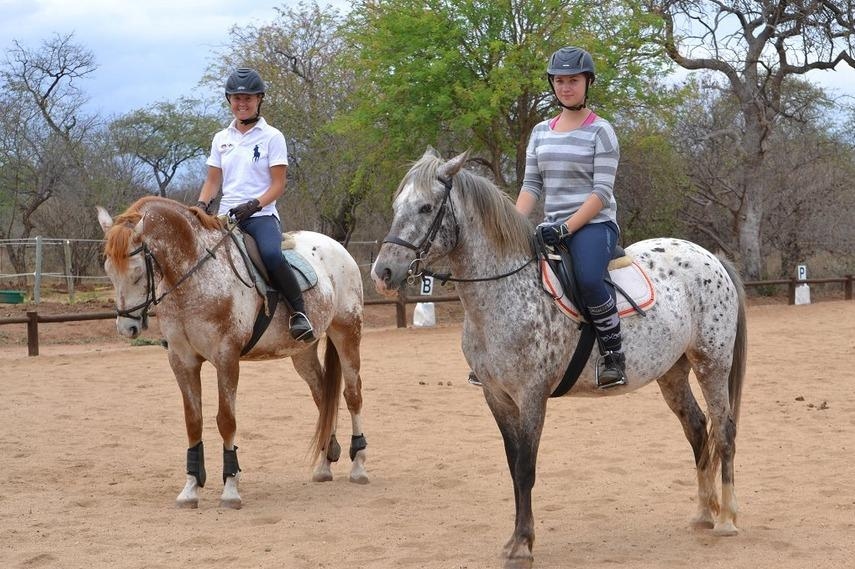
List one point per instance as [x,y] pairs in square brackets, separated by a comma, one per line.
[328,403]
[740,346]
[709,458]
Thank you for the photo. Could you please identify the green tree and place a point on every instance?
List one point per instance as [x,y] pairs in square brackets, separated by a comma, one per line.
[459,74]
[166,136]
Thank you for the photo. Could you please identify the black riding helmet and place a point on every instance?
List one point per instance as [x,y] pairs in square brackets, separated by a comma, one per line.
[571,61]
[246,81]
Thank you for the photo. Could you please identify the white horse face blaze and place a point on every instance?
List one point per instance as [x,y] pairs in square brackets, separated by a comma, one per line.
[130,288]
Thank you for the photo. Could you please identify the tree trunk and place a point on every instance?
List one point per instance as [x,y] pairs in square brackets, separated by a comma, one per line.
[750,216]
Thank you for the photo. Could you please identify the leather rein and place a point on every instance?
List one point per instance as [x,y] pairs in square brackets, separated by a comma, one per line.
[151,296]
[415,271]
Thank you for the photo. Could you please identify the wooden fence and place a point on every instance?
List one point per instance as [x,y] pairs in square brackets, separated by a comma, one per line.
[33,318]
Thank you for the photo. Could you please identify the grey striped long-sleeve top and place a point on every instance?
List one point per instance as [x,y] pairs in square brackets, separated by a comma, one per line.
[565,168]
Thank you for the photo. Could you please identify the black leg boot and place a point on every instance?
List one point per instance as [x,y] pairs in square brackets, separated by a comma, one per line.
[284,280]
[612,363]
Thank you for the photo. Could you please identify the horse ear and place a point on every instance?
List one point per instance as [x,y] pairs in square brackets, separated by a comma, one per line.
[453,166]
[104,218]
[430,152]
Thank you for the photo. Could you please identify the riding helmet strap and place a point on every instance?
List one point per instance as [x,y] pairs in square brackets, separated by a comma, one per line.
[230,464]
[196,463]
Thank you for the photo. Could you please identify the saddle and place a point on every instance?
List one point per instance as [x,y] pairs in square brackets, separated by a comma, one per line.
[631,288]
[303,270]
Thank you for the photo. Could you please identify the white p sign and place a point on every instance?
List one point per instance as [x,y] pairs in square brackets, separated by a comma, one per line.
[427,286]
[801,272]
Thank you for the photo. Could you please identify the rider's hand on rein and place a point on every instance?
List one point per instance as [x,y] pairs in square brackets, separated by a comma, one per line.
[553,233]
[245,210]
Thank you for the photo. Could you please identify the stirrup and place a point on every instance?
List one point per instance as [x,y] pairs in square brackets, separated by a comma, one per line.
[609,382]
[302,330]
[473,380]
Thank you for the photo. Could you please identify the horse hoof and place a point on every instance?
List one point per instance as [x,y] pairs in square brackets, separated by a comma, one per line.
[725,529]
[519,563]
[359,478]
[702,522]
[187,504]
[231,503]
[322,474]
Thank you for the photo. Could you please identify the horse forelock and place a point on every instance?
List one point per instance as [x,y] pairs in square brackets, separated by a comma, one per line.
[503,225]
[121,235]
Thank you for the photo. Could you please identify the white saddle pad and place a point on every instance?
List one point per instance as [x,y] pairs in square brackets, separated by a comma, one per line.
[624,272]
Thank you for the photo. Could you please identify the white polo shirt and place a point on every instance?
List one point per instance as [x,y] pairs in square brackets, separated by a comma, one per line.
[245,160]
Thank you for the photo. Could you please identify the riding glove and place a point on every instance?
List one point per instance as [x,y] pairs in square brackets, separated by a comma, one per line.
[245,210]
[553,233]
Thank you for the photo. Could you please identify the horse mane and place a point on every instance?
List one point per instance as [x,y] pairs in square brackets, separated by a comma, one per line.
[503,225]
[121,235]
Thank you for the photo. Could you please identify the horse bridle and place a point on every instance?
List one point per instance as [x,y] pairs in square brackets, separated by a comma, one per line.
[414,272]
[151,296]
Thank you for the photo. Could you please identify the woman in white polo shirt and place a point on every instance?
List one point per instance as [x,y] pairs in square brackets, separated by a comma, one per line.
[249,161]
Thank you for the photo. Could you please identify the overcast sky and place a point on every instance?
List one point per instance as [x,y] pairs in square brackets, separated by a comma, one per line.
[155,50]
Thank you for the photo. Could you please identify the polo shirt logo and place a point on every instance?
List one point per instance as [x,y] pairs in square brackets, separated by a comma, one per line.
[256,154]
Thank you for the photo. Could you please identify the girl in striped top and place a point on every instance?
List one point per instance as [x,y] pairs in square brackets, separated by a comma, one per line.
[571,162]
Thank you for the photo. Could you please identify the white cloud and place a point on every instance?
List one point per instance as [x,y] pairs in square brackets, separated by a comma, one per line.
[146,51]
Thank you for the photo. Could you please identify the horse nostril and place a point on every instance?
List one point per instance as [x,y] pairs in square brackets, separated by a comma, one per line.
[386,276]
[134,331]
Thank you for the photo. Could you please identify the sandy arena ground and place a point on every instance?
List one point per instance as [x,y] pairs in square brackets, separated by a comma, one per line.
[92,443]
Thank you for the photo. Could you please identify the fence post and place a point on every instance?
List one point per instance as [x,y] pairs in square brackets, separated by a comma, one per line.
[69,280]
[847,288]
[37,276]
[792,290]
[401,308]
[32,333]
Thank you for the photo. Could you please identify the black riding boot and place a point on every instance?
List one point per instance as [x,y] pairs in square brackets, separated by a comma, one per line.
[611,366]
[284,280]
[611,370]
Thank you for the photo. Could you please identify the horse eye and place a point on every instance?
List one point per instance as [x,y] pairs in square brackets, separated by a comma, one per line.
[427,208]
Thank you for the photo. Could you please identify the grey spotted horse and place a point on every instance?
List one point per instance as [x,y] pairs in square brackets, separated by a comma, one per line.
[519,343]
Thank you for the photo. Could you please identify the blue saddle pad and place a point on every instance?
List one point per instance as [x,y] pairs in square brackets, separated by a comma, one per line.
[305,273]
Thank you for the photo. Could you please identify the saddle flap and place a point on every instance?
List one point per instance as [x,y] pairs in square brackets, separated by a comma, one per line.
[303,270]
[628,276]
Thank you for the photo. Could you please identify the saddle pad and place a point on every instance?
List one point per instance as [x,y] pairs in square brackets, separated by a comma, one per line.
[628,276]
[305,273]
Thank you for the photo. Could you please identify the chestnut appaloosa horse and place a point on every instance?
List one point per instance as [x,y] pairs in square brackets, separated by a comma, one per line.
[161,252]
[519,343]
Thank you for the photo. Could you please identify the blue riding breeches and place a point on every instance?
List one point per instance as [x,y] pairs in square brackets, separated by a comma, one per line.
[267,232]
[591,249]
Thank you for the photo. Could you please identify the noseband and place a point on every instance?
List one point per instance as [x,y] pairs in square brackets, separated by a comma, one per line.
[414,271]
[150,295]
